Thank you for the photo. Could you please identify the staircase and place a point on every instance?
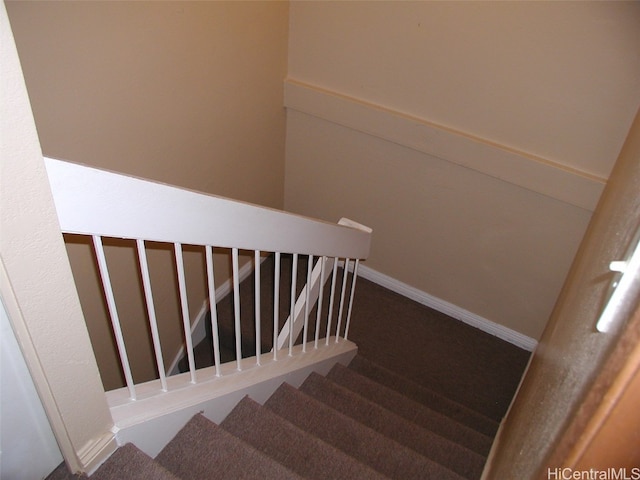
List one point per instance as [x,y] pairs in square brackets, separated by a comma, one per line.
[360,421]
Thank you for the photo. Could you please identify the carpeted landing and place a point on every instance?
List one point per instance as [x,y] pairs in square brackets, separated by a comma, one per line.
[359,422]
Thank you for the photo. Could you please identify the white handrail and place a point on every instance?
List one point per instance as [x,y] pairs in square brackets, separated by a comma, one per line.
[91,201]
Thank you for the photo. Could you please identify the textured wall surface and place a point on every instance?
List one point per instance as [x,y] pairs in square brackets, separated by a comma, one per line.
[36,281]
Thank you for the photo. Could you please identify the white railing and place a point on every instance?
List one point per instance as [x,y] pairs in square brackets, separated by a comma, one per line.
[101,204]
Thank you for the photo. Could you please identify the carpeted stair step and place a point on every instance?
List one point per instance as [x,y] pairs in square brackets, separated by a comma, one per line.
[126,463]
[355,439]
[291,446]
[129,463]
[433,400]
[457,458]
[204,451]
[410,409]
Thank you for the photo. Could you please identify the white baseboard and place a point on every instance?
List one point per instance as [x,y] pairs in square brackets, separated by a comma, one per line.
[500,331]
[97,451]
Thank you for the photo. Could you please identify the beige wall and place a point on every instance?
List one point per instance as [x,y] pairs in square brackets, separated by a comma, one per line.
[550,87]
[187,93]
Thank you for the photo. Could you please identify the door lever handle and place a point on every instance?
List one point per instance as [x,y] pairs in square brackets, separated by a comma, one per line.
[629,270]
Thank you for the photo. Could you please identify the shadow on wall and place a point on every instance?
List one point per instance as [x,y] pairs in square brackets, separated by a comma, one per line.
[126,280]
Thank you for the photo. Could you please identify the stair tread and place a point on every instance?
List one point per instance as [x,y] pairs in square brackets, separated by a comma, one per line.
[130,463]
[410,409]
[357,440]
[421,394]
[126,463]
[291,446]
[203,450]
[446,452]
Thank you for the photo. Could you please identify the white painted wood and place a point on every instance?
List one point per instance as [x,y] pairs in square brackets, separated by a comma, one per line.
[113,314]
[332,296]
[352,293]
[211,286]
[307,301]
[184,305]
[470,318]
[257,262]
[301,305]
[540,175]
[152,421]
[198,333]
[198,330]
[97,452]
[151,311]
[323,262]
[309,296]
[292,310]
[343,291]
[236,306]
[95,202]
[276,303]
[347,222]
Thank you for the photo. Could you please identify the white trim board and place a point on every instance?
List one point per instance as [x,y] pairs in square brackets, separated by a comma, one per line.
[541,175]
[487,326]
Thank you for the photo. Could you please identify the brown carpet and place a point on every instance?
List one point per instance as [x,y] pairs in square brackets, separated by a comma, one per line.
[442,354]
[295,448]
[354,438]
[202,450]
[127,463]
[385,421]
[422,400]
[411,410]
